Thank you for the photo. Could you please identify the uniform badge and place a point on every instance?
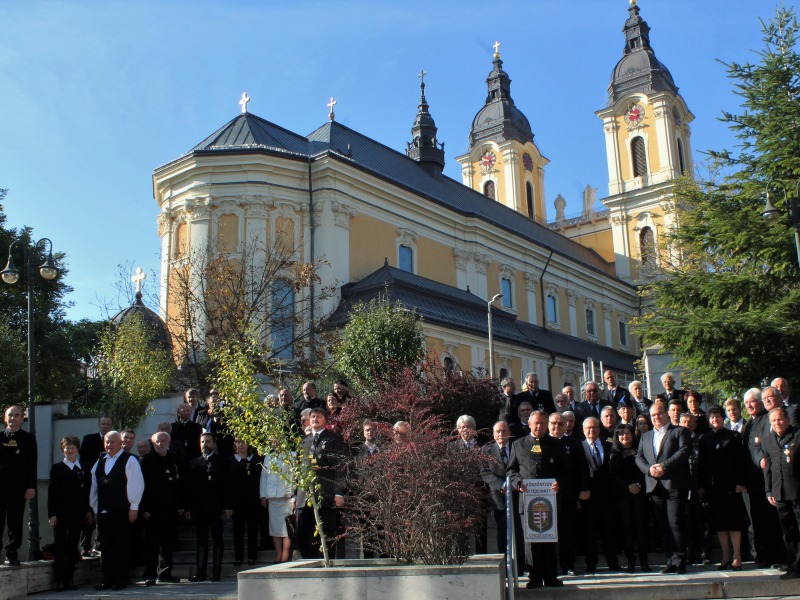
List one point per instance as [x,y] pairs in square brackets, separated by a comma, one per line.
[537,449]
[756,440]
[12,444]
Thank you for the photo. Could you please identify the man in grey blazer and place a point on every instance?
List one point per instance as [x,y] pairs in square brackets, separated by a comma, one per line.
[663,457]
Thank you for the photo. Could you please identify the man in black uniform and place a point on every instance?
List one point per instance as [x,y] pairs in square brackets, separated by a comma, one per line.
[92,446]
[117,488]
[782,446]
[538,456]
[205,491]
[18,477]
[160,508]
[242,501]
[540,399]
[187,433]
[325,449]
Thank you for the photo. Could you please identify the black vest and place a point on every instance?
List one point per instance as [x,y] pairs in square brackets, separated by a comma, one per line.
[112,489]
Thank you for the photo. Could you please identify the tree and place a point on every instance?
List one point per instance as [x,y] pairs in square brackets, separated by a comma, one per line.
[261,293]
[729,306]
[55,353]
[380,336]
[134,370]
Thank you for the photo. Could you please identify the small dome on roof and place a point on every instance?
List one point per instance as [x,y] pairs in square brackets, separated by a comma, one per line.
[151,318]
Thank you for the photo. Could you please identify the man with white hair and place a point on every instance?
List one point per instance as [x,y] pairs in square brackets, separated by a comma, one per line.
[117,488]
[670,392]
[467,434]
[163,473]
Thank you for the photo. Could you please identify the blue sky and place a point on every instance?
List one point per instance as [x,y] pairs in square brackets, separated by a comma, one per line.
[96,94]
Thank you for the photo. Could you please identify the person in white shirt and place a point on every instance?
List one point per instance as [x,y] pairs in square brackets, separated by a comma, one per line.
[733,409]
[276,494]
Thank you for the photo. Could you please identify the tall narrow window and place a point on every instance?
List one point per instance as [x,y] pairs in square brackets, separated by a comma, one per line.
[552,308]
[282,325]
[639,157]
[508,292]
[681,160]
[503,373]
[648,248]
[623,333]
[488,190]
[449,365]
[406,259]
[529,198]
[590,329]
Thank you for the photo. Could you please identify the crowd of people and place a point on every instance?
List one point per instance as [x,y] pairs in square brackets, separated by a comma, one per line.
[631,476]
[629,470]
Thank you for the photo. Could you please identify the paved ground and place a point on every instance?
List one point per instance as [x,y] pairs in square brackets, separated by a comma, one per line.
[699,582]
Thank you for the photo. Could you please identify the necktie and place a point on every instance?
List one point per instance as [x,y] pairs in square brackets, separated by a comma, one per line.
[316,439]
[504,454]
[594,410]
[596,455]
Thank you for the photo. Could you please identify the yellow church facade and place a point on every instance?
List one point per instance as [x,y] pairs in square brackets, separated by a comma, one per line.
[386,220]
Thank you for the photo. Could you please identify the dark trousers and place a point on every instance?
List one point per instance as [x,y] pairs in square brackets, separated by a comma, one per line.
[66,534]
[86,537]
[114,531]
[159,538]
[245,516]
[502,529]
[543,569]
[789,515]
[203,524]
[307,542]
[567,524]
[12,510]
[670,512]
[635,523]
[597,520]
[766,530]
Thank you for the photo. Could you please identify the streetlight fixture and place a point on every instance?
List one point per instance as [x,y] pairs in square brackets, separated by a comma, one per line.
[491,338]
[11,275]
[771,214]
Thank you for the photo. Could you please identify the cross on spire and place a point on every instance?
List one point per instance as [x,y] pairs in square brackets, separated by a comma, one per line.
[243,102]
[138,279]
[330,106]
[496,47]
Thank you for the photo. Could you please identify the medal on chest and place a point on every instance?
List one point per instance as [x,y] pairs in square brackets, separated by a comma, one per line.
[787,451]
[537,448]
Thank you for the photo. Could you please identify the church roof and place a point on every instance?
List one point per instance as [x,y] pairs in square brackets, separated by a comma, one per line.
[161,334]
[441,304]
[249,133]
[638,70]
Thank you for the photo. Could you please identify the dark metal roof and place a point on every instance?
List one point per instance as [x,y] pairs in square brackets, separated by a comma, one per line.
[249,133]
[461,310]
[151,319]
[639,70]
[499,120]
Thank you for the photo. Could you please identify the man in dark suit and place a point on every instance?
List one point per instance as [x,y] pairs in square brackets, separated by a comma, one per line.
[192,398]
[205,492]
[596,498]
[213,422]
[782,385]
[613,394]
[540,399]
[493,473]
[663,457]
[18,454]
[539,456]
[591,407]
[782,446]
[308,399]
[670,392]
[520,429]
[186,433]
[507,411]
[117,487]
[325,449]
[92,447]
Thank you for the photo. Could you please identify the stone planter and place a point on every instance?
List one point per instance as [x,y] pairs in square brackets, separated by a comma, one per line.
[482,577]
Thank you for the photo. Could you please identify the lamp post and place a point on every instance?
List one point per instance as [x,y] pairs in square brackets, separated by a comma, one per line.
[11,275]
[772,214]
[491,338]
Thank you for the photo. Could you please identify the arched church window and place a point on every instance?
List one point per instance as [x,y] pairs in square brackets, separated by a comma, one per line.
[529,198]
[406,259]
[639,157]
[681,160]
[488,190]
[449,365]
[282,320]
[648,247]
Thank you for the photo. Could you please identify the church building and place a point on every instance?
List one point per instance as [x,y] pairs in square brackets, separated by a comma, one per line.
[387,220]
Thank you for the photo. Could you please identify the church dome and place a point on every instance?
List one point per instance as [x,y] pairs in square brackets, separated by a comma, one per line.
[638,70]
[499,120]
[153,321]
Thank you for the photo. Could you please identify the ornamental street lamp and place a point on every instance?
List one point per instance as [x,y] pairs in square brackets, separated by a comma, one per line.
[11,275]
[772,214]
[491,338]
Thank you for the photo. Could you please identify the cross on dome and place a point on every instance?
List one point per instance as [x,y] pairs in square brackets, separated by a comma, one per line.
[496,47]
[138,279]
[330,106]
[243,102]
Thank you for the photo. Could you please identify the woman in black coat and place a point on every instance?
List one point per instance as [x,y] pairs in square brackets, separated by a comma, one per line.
[68,510]
[628,482]
[722,482]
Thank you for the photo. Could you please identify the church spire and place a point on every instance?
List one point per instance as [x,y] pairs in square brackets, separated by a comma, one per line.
[637,31]
[424,148]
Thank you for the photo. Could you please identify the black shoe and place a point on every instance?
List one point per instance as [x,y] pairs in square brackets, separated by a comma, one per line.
[198,577]
[791,575]
[736,567]
[11,562]
[60,587]
[571,573]
[780,567]
[533,585]
[150,582]
[646,568]
[102,586]
[681,568]
[70,585]
[724,567]
[86,554]
[670,569]
[763,565]
[554,583]
[215,578]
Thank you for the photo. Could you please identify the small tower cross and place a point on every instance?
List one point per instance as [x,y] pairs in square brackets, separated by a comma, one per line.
[496,47]
[330,106]
[243,102]
[138,279]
